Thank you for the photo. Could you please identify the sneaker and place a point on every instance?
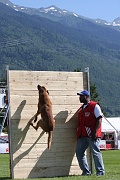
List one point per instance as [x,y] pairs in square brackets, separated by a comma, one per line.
[83,174]
[102,174]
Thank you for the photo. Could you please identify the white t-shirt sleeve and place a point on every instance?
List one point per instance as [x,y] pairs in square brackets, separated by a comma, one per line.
[97,111]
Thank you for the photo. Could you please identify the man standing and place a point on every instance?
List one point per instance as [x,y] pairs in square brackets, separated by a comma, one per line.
[89,134]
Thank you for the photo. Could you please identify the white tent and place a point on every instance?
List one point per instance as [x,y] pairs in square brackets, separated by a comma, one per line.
[112,125]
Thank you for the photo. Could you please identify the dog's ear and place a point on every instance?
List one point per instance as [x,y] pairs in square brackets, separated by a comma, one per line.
[48,92]
[39,87]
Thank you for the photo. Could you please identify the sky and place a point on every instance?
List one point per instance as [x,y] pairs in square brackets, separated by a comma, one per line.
[103,9]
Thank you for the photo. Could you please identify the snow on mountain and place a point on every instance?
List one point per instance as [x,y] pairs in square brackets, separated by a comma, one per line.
[116,22]
[55,11]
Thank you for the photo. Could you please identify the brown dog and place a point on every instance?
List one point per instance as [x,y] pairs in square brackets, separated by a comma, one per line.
[47,122]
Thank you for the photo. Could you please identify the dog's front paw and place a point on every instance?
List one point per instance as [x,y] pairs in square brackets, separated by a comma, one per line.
[30,123]
[35,120]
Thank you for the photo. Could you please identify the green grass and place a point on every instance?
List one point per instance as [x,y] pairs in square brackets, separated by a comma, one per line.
[111,161]
[4,166]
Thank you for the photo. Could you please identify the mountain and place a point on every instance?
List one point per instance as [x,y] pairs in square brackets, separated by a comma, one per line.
[34,42]
[7,3]
[55,13]
[45,12]
[117,21]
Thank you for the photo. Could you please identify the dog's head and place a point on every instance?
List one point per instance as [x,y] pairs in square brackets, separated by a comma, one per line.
[42,89]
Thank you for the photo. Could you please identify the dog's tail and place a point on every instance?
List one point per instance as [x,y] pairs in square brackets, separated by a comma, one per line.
[49,139]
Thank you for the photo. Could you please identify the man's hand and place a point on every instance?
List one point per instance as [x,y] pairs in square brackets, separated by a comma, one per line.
[94,137]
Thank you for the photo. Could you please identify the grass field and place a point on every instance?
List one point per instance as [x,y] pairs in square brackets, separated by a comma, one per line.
[111,161]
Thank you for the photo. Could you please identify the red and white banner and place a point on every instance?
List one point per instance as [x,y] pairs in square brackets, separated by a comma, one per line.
[4,145]
[102,144]
[4,148]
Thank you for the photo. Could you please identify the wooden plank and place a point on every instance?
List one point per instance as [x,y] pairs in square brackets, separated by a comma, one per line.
[44,162]
[26,92]
[43,140]
[51,158]
[32,111]
[33,153]
[43,172]
[37,148]
[42,73]
[62,85]
[42,137]
[42,151]
[62,116]
[24,131]
[59,124]
[45,154]
[31,158]
[39,75]
[47,79]
[34,106]
[28,116]
[58,100]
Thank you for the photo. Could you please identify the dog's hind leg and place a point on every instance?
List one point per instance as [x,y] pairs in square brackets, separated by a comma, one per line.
[31,124]
[41,124]
[49,139]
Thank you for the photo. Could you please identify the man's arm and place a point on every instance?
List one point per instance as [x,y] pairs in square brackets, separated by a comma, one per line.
[98,124]
[98,114]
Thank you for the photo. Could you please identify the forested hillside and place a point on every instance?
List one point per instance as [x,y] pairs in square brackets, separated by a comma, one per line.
[30,42]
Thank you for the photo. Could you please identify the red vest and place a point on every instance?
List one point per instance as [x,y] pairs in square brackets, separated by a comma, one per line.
[87,121]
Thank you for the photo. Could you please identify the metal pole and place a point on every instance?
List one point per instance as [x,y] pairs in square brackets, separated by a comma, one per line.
[88,83]
[88,78]
[9,126]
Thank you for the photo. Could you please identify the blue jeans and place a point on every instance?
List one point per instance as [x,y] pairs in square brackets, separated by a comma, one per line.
[82,145]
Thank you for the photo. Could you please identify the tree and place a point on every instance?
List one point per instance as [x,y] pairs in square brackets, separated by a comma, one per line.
[93,93]
[77,70]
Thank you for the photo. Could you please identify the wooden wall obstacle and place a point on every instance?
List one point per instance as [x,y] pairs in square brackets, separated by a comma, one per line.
[29,155]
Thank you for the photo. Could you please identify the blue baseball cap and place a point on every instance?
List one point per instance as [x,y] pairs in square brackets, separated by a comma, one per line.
[84,93]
